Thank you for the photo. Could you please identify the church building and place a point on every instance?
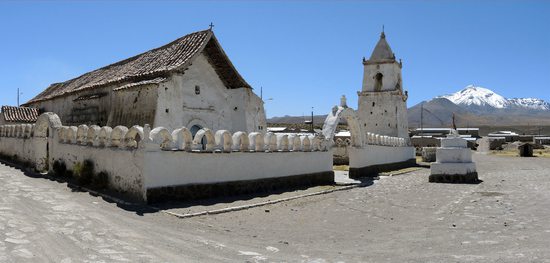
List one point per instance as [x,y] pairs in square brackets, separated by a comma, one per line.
[382,102]
[189,82]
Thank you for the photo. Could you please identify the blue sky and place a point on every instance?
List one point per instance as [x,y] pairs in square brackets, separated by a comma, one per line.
[304,54]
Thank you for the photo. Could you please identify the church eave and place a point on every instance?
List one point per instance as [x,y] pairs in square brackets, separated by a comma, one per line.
[381,61]
[223,66]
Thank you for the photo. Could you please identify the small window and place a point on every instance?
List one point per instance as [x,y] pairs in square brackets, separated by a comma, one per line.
[378,81]
[197,90]
[373,103]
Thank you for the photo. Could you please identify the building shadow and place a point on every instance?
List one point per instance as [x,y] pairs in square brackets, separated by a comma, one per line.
[211,203]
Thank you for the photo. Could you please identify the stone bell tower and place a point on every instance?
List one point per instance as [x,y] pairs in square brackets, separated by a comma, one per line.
[382,102]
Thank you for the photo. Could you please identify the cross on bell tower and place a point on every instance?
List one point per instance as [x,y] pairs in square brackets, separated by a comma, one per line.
[211,26]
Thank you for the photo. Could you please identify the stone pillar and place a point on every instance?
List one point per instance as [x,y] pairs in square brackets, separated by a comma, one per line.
[453,163]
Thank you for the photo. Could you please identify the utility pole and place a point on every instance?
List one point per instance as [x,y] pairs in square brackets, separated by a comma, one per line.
[421,120]
[18,97]
[312,120]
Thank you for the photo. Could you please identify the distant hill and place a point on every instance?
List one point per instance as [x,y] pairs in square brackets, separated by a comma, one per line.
[437,113]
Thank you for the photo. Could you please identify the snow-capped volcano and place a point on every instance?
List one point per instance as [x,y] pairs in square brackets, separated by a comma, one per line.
[479,106]
[478,97]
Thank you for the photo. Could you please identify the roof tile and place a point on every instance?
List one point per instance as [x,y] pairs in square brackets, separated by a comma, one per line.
[19,114]
[149,65]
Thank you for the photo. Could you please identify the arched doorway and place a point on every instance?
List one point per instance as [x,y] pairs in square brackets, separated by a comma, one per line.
[45,125]
[333,118]
[353,124]
[194,129]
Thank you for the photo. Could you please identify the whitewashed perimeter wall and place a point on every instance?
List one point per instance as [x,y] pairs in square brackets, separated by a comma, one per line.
[24,149]
[366,148]
[124,166]
[181,168]
[26,142]
[370,155]
[138,158]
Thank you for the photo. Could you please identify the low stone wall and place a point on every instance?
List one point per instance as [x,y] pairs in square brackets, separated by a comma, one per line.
[495,143]
[124,166]
[418,141]
[20,149]
[19,143]
[370,160]
[164,168]
[340,154]
[145,163]
[429,154]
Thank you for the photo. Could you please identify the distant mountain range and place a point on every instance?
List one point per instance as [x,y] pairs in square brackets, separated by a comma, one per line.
[475,98]
[477,106]
[472,106]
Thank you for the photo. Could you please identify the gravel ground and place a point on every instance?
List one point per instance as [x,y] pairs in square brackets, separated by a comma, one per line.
[400,218]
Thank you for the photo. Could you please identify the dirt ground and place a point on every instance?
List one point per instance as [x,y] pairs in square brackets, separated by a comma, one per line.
[400,218]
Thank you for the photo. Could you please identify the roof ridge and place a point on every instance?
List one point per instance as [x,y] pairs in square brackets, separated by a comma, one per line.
[154,49]
[135,56]
[151,63]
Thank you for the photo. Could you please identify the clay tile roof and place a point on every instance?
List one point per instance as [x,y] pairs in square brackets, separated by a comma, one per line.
[155,63]
[19,114]
[382,51]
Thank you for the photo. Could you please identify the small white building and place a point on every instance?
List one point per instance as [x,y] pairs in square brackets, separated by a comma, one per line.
[509,136]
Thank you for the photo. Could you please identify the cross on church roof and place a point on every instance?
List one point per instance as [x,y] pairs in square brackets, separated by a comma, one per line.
[211,25]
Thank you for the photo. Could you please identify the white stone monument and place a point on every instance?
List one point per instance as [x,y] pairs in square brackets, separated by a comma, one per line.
[453,162]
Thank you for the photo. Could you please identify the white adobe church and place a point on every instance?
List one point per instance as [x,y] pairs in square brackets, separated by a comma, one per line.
[189,82]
